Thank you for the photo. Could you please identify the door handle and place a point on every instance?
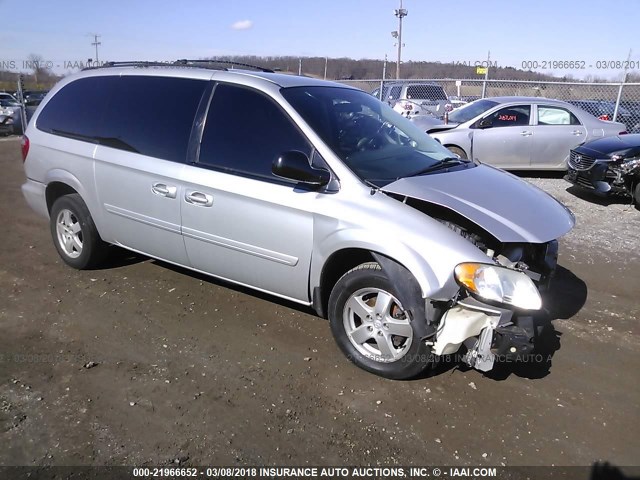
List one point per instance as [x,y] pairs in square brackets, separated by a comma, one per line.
[164,190]
[526,133]
[577,132]
[199,198]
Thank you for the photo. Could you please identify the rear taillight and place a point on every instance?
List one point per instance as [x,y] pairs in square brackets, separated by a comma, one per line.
[604,117]
[24,146]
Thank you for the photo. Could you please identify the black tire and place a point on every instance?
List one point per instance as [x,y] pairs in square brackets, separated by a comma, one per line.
[92,250]
[458,151]
[636,195]
[415,357]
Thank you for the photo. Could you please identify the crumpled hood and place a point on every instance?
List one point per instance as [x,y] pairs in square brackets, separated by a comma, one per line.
[509,208]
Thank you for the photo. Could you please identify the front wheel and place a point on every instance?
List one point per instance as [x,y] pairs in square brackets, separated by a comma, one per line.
[458,151]
[372,327]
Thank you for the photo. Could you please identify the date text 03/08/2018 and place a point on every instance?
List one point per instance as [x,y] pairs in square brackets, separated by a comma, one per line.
[580,64]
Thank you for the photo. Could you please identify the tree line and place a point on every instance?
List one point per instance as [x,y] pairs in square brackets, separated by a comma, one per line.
[334,68]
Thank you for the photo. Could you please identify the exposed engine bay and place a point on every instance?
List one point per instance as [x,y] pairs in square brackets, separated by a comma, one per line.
[487,331]
[537,260]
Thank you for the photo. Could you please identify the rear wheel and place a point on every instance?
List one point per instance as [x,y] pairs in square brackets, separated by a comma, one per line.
[458,151]
[636,195]
[74,234]
[372,327]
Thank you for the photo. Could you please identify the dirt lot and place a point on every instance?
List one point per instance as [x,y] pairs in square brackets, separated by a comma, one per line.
[184,367]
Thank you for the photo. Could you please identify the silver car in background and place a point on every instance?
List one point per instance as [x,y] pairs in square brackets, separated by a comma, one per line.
[518,133]
[323,196]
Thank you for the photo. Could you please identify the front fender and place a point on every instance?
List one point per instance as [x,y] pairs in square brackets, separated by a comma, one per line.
[360,239]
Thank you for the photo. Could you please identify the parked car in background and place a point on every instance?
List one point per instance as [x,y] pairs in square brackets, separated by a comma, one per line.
[6,122]
[456,103]
[322,195]
[12,109]
[604,110]
[633,107]
[519,133]
[414,98]
[8,97]
[608,166]
[34,98]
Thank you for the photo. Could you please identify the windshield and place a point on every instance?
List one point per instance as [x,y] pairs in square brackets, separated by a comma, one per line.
[471,110]
[375,142]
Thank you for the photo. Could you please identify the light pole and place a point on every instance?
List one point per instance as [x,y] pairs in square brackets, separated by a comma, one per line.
[400,13]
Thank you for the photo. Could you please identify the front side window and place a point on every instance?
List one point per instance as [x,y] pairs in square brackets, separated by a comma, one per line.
[515,116]
[556,116]
[376,143]
[245,131]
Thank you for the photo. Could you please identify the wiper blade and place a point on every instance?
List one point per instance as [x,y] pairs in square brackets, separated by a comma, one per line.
[444,163]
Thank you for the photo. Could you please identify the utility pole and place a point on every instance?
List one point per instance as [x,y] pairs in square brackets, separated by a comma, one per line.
[96,43]
[299,66]
[400,13]
[384,77]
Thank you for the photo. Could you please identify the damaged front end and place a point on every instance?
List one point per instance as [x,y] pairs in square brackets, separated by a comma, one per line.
[496,312]
[609,166]
[497,309]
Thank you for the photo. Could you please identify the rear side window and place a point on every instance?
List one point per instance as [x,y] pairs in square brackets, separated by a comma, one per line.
[556,116]
[245,131]
[77,109]
[149,115]
[426,92]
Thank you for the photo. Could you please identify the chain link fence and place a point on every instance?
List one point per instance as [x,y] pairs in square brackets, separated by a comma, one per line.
[608,101]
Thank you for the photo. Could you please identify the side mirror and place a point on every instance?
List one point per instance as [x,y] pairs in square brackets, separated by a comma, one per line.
[485,123]
[294,165]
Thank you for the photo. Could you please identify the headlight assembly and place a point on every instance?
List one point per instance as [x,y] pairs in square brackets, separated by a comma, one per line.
[499,284]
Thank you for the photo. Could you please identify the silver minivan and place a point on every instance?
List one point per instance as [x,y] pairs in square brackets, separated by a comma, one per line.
[308,190]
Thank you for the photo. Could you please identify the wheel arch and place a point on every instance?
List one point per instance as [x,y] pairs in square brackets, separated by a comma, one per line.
[341,260]
[55,190]
[449,145]
[61,182]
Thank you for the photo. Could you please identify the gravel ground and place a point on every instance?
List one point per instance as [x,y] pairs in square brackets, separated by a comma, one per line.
[610,226]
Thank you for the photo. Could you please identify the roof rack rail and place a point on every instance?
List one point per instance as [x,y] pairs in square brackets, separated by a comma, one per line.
[224,62]
[211,63]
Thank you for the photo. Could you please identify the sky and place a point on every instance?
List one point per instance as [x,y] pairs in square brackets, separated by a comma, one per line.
[588,31]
